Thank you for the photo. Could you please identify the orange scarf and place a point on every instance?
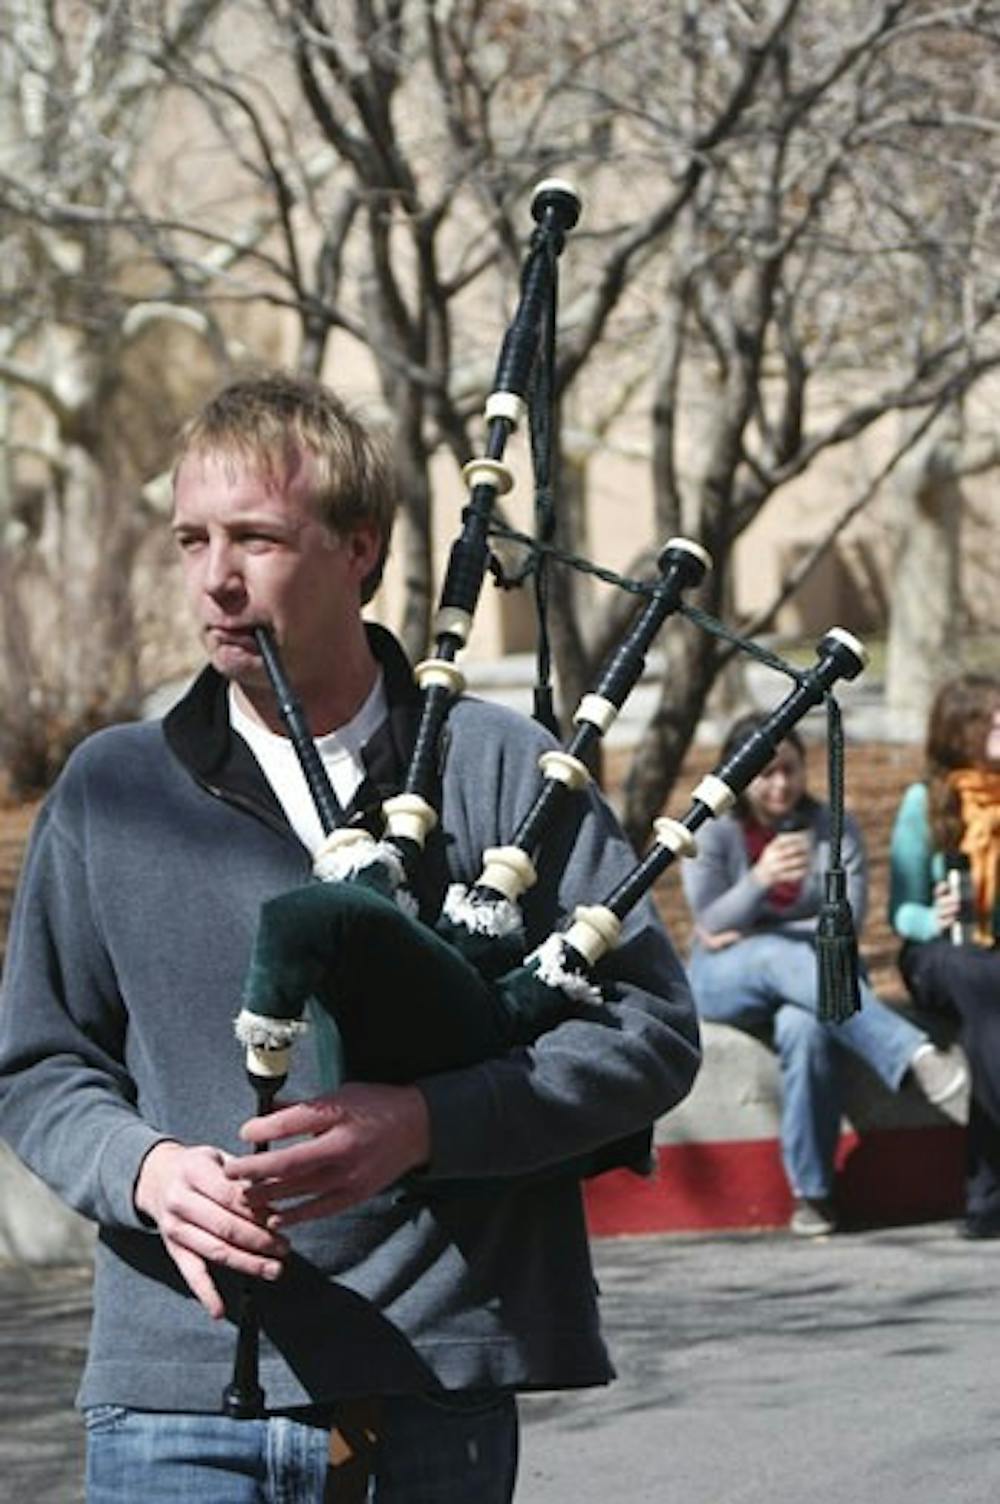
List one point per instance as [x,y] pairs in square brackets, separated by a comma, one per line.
[979,794]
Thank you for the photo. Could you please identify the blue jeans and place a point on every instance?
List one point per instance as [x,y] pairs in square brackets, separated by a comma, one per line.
[769,981]
[446,1449]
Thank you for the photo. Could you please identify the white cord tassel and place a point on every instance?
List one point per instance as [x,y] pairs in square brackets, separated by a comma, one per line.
[337,863]
[259,1032]
[550,967]
[495,918]
[341,863]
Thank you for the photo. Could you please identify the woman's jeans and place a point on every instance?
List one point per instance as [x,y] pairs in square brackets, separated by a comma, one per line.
[446,1450]
[770,981]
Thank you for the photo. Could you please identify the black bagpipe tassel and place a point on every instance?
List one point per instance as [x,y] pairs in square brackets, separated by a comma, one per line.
[836,940]
[837,952]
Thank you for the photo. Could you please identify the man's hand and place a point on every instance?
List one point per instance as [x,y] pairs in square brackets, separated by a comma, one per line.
[355,1142]
[205,1217]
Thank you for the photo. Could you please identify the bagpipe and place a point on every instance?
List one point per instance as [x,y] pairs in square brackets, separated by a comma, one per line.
[406,996]
[408,999]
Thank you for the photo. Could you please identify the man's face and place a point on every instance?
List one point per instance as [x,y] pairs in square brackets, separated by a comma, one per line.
[254,554]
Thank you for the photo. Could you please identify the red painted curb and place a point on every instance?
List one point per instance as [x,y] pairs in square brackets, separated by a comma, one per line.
[891,1175]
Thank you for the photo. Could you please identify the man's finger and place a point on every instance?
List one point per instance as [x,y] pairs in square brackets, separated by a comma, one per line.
[296,1120]
[297,1159]
[306,1181]
[209,1248]
[326,1205]
[198,1280]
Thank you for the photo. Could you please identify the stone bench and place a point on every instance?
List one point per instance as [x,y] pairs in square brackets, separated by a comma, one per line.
[35,1226]
[899,1159]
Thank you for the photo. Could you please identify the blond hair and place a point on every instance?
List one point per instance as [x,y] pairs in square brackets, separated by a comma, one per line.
[270,420]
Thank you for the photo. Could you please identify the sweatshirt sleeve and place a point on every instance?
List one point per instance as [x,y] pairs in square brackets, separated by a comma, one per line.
[719,884]
[610,1069]
[911,881]
[67,1105]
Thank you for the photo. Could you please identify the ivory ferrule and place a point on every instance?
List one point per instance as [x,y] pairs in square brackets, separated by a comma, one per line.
[454,622]
[562,768]
[484,472]
[555,185]
[848,640]
[340,839]
[507,405]
[715,794]
[675,836]
[268,1064]
[597,711]
[690,547]
[594,931]
[439,671]
[508,870]
[409,817]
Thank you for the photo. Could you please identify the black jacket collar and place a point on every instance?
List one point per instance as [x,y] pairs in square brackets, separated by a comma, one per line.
[198,732]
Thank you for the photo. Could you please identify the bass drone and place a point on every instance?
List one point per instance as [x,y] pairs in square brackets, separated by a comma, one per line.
[410,815]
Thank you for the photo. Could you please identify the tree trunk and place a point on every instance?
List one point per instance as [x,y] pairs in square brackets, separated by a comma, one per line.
[926,600]
[413,526]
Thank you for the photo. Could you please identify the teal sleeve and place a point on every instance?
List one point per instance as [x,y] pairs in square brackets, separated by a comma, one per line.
[911,869]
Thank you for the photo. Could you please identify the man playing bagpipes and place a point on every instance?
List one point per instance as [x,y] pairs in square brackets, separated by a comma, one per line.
[397,1303]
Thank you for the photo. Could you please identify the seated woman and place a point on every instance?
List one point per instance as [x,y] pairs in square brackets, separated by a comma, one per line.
[946,838]
[755,890]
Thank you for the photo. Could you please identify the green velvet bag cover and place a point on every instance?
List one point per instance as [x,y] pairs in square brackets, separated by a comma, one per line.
[405,1003]
[491,955]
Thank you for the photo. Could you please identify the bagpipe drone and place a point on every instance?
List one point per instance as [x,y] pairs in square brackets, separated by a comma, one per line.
[407,998]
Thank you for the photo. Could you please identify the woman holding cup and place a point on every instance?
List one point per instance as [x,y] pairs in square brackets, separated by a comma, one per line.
[755,890]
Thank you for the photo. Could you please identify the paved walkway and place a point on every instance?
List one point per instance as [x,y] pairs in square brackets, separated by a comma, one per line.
[753,1370]
[44,1316]
[761,1370]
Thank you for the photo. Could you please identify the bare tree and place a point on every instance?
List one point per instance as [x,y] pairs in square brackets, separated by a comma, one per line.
[836,264]
[925,626]
[77,107]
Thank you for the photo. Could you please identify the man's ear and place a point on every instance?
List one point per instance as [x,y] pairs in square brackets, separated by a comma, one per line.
[364,545]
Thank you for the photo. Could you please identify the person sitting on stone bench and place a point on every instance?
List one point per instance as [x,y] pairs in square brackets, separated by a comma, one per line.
[944,902]
[755,890]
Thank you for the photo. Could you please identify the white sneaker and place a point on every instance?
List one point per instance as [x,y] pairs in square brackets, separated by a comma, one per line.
[813,1217]
[942,1079]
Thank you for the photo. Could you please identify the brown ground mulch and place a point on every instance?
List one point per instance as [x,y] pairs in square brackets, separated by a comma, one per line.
[15,824]
[877,773]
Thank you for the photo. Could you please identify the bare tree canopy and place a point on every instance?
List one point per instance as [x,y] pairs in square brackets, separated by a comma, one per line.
[789,241]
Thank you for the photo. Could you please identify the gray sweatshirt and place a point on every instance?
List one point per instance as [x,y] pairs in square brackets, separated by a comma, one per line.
[129,943]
